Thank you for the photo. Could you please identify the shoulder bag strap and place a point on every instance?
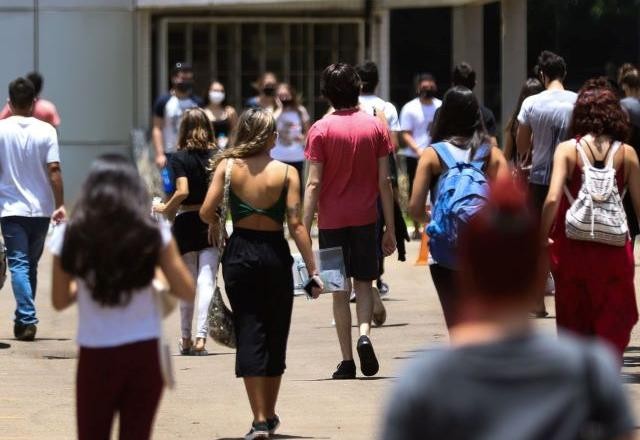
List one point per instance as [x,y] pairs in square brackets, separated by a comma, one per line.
[225,205]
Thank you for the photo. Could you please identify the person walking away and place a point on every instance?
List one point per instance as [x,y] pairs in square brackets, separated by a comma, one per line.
[223,117]
[105,259]
[543,122]
[348,170]
[256,264]
[42,109]
[266,85]
[531,86]
[629,82]
[462,147]
[464,75]
[292,120]
[31,195]
[167,112]
[416,118]
[511,380]
[196,147]
[591,254]
[376,106]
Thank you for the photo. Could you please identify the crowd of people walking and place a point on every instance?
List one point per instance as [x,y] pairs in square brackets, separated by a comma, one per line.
[553,201]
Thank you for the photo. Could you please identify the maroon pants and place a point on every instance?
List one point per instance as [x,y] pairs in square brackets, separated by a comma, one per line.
[126,380]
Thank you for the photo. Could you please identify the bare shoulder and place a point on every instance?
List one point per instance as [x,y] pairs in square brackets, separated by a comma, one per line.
[630,153]
[566,148]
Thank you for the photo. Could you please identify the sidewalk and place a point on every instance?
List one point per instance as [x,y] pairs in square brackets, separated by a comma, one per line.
[37,379]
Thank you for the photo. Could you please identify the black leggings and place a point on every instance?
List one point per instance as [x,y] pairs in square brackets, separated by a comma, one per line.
[446,285]
[256,266]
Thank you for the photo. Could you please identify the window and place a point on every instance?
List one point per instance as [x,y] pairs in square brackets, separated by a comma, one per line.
[236,51]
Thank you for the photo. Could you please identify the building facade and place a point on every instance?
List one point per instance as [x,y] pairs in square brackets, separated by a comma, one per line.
[104,61]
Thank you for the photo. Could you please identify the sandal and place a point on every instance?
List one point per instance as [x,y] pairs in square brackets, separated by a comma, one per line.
[195,351]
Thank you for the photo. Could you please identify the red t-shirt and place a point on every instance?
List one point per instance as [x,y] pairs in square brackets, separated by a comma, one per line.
[42,109]
[348,143]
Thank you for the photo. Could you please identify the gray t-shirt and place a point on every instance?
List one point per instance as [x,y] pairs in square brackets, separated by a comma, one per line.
[548,114]
[532,387]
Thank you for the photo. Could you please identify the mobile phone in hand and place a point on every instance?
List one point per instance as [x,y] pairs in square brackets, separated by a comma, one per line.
[309,285]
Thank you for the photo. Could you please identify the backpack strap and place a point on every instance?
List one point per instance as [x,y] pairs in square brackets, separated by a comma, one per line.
[481,155]
[442,149]
[582,154]
[612,152]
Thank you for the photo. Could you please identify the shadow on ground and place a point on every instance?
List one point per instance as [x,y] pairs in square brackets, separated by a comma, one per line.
[4,346]
[276,436]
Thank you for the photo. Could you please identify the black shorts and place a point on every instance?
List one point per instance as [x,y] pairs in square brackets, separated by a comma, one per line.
[412,166]
[537,195]
[359,247]
[256,266]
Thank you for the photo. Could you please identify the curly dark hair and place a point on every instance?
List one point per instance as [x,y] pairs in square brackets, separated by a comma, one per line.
[598,112]
[111,242]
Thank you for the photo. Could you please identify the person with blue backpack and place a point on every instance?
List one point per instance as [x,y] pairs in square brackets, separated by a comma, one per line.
[455,170]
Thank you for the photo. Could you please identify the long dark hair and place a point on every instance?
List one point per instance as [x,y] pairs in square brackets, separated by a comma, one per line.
[111,241]
[531,86]
[459,120]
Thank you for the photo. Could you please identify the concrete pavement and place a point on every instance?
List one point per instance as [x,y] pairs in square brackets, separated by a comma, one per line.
[37,379]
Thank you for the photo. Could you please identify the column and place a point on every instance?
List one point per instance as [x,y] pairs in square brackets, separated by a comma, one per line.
[514,53]
[468,41]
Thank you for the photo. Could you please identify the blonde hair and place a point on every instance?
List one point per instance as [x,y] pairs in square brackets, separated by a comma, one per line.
[254,128]
[196,132]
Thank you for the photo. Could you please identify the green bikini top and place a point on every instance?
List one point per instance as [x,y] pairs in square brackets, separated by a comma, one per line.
[241,209]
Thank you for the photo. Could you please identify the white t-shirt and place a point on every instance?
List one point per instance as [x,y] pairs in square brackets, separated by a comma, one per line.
[100,326]
[370,102]
[27,145]
[417,119]
[290,143]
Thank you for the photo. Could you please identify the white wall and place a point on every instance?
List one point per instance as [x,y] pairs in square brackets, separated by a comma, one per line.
[85,50]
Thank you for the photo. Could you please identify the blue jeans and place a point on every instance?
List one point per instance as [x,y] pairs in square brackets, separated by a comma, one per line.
[24,239]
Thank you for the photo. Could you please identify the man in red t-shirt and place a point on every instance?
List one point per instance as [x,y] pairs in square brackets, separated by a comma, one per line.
[348,170]
[42,109]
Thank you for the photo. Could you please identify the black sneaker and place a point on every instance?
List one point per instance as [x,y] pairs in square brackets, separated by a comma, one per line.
[345,370]
[368,361]
[24,332]
[258,430]
[273,424]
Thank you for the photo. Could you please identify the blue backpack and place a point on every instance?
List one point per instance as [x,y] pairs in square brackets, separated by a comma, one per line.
[462,191]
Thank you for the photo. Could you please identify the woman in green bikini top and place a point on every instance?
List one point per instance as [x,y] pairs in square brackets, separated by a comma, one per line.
[256,263]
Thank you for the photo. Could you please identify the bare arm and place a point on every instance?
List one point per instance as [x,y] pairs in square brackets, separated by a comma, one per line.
[180,280]
[421,185]
[410,141]
[214,196]
[55,179]
[171,207]
[63,288]
[523,139]
[298,232]
[558,180]
[499,167]
[158,141]
[233,118]
[386,197]
[312,193]
[508,146]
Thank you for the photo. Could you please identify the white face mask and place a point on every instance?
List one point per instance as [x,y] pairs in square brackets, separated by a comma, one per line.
[216,97]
